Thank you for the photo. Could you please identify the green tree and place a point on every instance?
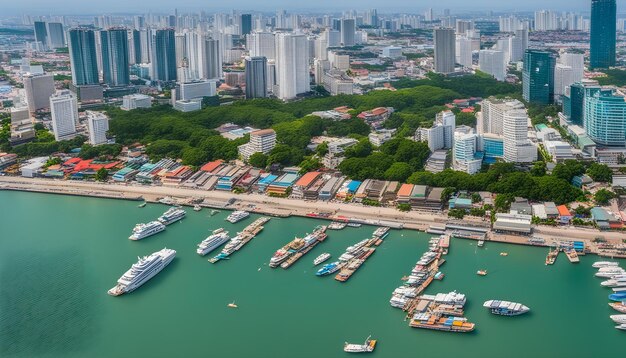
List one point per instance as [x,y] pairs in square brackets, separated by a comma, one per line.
[398,171]
[503,202]
[603,196]
[102,174]
[600,172]
[258,160]
[456,213]
[538,169]
[322,149]
[404,207]
[194,156]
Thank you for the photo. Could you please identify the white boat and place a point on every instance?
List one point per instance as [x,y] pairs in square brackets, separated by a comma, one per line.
[354,224]
[506,308]
[237,216]
[336,225]
[621,326]
[172,215]
[141,231]
[382,232]
[618,318]
[366,347]
[143,270]
[197,207]
[321,258]
[600,264]
[610,274]
[217,239]
[615,281]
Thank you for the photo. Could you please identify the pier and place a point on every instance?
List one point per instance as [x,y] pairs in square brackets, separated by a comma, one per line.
[249,233]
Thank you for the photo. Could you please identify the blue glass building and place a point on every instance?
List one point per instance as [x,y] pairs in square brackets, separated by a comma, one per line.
[115,64]
[605,118]
[84,63]
[603,33]
[538,76]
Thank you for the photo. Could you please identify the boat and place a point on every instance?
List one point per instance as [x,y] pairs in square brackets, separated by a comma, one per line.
[439,323]
[481,272]
[618,318]
[616,281]
[552,255]
[214,212]
[610,272]
[439,276]
[504,254]
[572,256]
[481,243]
[142,205]
[172,215]
[237,216]
[618,297]
[336,225]
[197,207]
[354,224]
[143,270]
[329,269]
[536,241]
[621,326]
[381,232]
[366,347]
[141,231]
[600,264]
[618,306]
[232,305]
[215,240]
[167,201]
[321,258]
[506,308]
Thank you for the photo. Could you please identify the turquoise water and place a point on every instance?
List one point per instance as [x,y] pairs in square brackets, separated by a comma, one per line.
[60,254]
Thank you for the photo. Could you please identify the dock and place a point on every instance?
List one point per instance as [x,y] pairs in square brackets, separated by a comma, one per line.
[249,233]
[298,255]
[352,265]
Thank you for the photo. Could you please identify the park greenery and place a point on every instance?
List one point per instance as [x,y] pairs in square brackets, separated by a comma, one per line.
[614,77]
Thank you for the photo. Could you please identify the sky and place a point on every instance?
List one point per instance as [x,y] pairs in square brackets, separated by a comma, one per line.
[43,7]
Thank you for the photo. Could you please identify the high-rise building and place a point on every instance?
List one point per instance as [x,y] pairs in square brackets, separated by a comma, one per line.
[445,53]
[576,61]
[115,63]
[97,125]
[522,34]
[38,89]
[464,51]
[574,102]
[348,30]
[164,55]
[246,24]
[56,36]
[603,33]
[256,77]
[538,76]
[211,63]
[64,113]
[491,116]
[517,147]
[83,58]
[292,65]
[262,141]
[563,78]
[516,51]
[41,33]
[262,44]
[464,152]
[493,63]
[605,118]
[135,44]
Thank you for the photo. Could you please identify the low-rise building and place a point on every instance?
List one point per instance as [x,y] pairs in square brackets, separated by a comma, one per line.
[513,223]
[188,105]
[134,101]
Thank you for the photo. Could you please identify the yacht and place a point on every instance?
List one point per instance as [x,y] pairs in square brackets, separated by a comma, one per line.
[621,326]
[233,245]
[618,318]
[600,264]
[506,308]
[172,215]
[321,258]
[217,239]
[329,269]
[237,216]
[381,232]
[616,281]
[366,347]
[618,306]
[610,273]
[142,231]
[142,271]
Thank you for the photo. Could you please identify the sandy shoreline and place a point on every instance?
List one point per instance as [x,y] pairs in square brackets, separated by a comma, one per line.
[414,220]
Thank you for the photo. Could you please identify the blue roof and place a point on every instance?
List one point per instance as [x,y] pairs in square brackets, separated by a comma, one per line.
[354,185]
[268,179]
[286,179]
[599,214]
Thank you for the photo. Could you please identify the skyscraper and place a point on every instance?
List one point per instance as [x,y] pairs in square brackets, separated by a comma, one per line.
[603,33]
[256,77]
[348,29]
[115,67]
[83,58]
[493,63]
[445,52]
[41,33]
[292,65]
[56,38]
[538,76]
[605,118]
[164,58]
[135,45]
[64,112]
[262,44]
[38,89]
[246,24]
[211,53]
[517,147]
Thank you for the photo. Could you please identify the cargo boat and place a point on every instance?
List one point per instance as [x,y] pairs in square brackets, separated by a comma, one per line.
[438,323]
[551,258]
[366,347]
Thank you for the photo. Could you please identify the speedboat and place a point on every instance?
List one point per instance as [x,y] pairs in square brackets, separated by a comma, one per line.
[329,269]
[621,326]
[506,308]
[618,318]
[618,297]
[600,264]
[321,258]
[366,347]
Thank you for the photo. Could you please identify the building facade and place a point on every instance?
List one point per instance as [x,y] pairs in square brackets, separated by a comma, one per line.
[115,61]
[445,50]
[83,57]
[256,77]
[603,33]
[64,113]
[538,76]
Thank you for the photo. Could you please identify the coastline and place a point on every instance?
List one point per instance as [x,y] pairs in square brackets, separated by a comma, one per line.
[285,207]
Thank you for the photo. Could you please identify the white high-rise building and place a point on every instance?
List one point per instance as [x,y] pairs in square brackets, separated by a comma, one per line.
[441,134]
[262,44]
[262,141]
[38,89]
[493,63]
[517,147]
[447,120]
[464,51]
[445,52]
[98,125]
[546,20]
[348,30]
[64,113]
[464,152]
[577,62]
[515,47]
[563,78]
[292,65]
[491,117]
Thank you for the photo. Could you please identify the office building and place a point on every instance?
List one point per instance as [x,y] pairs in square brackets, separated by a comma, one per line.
[538,76]
[164,56]
[262,44]
[605,118]
[493,63]
[38,90]
[576,61]
[246,24]
[445,52]
[441,134]
[41,34]
[211,63]
[115,62]
[262,141]
[196,90]
[464,156]
[517,147]
[603,33]
[97,125]
[56,35]
[464,51]
[64,113]
[292,65]
[348,30]
[134,101]
[574,100]
[83,57]
[256,77]
[135,56]
[392,52]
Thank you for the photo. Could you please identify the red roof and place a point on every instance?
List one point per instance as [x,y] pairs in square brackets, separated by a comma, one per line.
[460,101]
[211,166]
[72,161]
[87,164]
[563,211]
[378,111]
[307,179]
[468,110]
[405,190]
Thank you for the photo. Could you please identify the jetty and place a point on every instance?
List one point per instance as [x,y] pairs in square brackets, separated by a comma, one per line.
[362,254]
[249,233]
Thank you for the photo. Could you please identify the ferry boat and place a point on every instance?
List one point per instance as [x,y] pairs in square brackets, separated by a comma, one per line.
[298,245]
[618,306]
[618,318]
[329,269]
[140,272]
[321,258]
[366,347]
[336,225]
[381,232]
[217,239]
[172,215]
[141,231]
[506,308]
[237,216]
[618,297]
[600,264]
[197,207]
